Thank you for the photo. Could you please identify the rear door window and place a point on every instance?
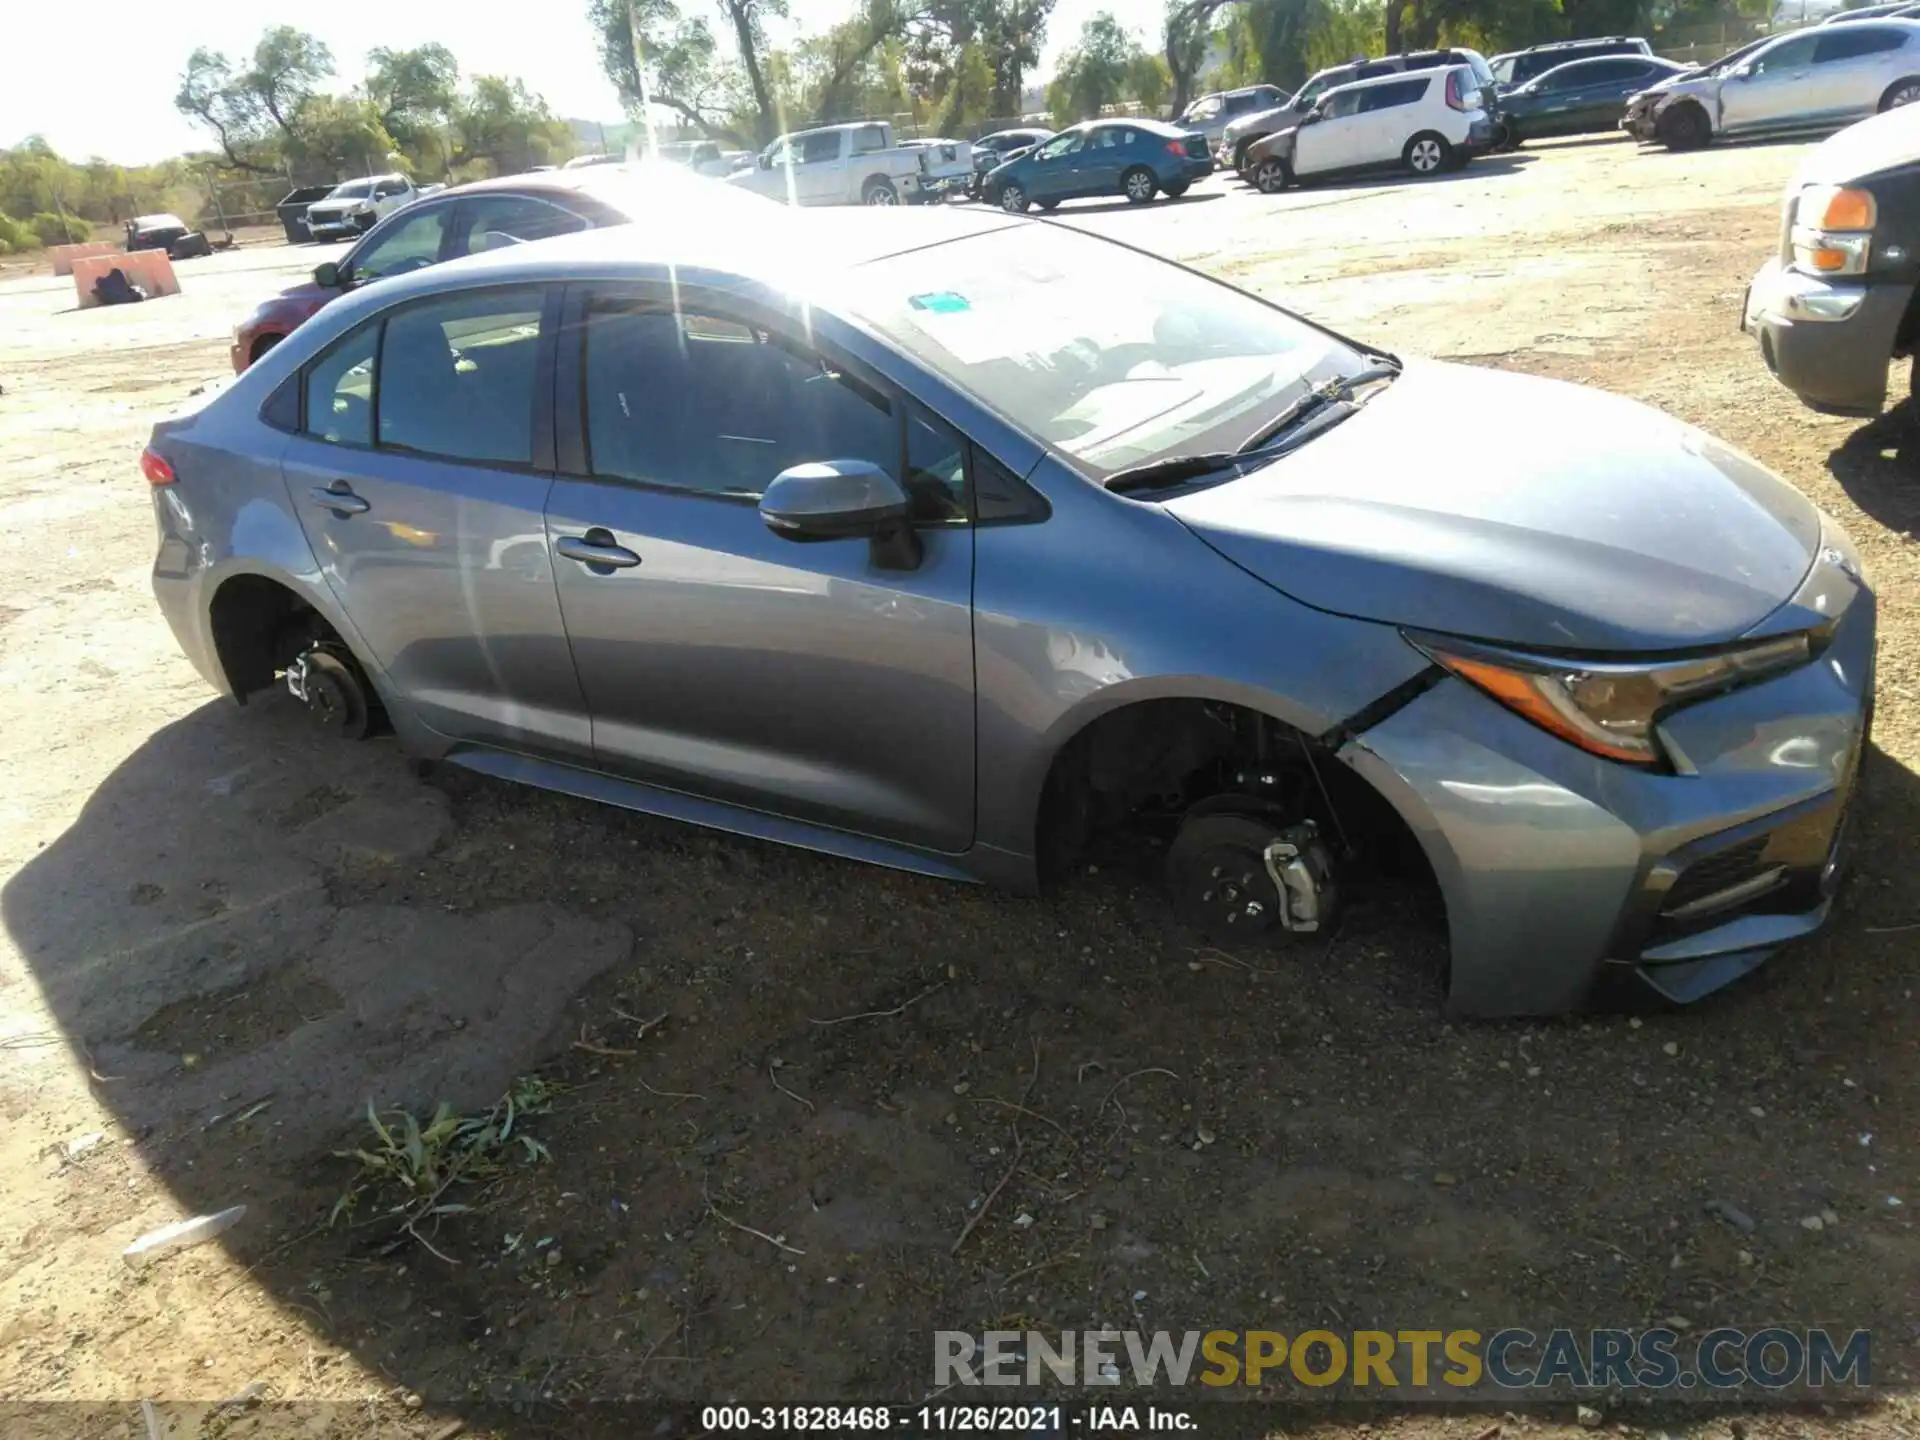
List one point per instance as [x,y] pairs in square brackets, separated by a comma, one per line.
[1850,42]
[458,376]
[489,222]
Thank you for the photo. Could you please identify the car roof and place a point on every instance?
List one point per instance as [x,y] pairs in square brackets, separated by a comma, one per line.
[1137,122]
[1399,77]
[1586,60]
[703,230]
[1878,22]
[1576,44]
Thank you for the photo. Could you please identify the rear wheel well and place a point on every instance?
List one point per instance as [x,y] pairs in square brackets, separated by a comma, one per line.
[1143,767]
[259,627]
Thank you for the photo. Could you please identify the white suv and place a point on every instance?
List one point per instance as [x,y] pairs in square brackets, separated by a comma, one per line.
[1427,121]
[1816,79]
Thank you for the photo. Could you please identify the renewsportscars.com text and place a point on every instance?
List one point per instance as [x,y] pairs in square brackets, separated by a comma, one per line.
[1432,1361]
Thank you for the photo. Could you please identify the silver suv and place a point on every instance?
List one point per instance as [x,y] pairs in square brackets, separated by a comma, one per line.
[1813,80]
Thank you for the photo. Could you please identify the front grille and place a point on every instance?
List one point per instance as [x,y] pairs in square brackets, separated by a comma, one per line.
[1715,873]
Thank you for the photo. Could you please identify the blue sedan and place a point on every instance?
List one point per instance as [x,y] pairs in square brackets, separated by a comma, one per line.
[1134,158]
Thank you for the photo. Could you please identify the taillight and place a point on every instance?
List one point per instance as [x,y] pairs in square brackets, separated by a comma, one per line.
[1459,97]
[156,468]
[1176,147]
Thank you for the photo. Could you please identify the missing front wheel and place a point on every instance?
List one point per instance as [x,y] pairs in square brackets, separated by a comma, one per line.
[1238,877]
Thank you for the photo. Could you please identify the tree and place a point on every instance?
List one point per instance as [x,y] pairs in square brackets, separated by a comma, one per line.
[747,17]
[1095,72]
[842,75]
[338,133]
[288,66]
[1189,25]
[682,69]
[251,111]
[412,90]
[498,123]
[1148,79]
[211,93]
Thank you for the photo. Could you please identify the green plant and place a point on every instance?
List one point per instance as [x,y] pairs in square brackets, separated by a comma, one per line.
[411,1167]
[16,235]
[60,229]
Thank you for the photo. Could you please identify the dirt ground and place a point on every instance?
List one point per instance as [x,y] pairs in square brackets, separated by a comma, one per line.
[779,1087]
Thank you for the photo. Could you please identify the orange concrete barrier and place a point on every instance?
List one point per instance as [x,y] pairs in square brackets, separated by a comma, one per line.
[65,255]
[151,270]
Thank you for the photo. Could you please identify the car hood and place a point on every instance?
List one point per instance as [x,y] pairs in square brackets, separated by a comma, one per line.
[1885,142]
[1283,127]
[1688,82]
[1596,524]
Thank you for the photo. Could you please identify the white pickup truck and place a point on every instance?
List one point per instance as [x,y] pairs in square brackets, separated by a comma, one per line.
[855,164]
[352,207]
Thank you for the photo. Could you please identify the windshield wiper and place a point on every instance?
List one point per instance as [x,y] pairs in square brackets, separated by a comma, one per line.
[1316,399]
[1175,469]
[1161,473]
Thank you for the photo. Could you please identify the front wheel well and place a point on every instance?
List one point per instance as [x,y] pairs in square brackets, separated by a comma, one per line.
[259,627]
[1143,767]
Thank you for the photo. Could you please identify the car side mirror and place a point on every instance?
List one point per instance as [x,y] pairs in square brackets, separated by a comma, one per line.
[327,275]
[766,162]
[843,500]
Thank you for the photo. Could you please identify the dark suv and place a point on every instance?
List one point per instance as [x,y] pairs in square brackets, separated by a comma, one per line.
[1519,66]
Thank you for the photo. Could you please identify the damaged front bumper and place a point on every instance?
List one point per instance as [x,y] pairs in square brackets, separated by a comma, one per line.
[1641,121]
[1828,341]
[1566,875]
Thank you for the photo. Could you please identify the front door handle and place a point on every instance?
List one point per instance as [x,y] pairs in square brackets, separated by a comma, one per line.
[339,498]
[597,549]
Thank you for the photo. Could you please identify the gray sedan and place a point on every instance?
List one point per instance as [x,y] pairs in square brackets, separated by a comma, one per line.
[961,543]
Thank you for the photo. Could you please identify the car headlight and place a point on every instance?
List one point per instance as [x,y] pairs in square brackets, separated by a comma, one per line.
[1833,230]
[1610,708]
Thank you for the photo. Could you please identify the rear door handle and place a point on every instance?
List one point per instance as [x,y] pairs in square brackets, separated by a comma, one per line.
[597,549]
[339,498]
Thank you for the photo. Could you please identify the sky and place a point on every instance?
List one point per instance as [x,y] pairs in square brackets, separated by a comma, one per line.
[105,86]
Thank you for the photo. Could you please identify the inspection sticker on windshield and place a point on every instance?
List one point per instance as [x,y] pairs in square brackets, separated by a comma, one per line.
[941,302]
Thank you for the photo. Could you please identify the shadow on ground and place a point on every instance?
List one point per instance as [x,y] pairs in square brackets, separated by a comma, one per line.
[808,1113]
[1879,467]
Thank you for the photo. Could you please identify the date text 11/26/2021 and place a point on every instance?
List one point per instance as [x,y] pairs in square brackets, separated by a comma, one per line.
[946,1419]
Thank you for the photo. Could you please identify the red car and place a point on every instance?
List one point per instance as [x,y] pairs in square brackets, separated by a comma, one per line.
[467,219]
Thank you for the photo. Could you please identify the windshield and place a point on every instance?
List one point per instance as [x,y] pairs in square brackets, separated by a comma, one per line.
[1115,358]
[352,190]
[1733,57]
